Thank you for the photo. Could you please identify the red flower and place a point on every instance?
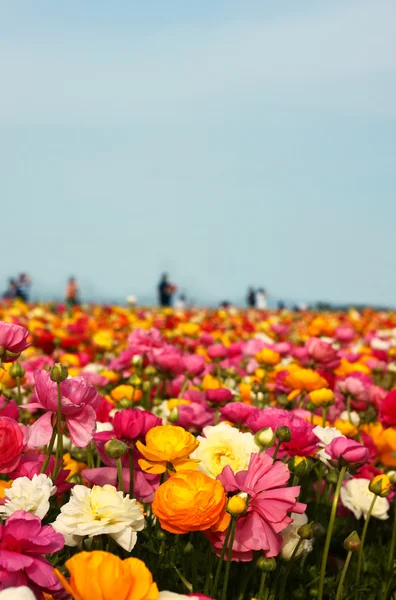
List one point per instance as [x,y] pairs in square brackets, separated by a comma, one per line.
[11,444]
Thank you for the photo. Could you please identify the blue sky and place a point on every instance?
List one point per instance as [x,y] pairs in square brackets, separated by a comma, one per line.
[230,143]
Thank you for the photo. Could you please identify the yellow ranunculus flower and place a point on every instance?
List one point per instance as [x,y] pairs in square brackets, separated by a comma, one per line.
[5,378]
[104,576]
[269,357]
[322,397]
[125,391]
[73,466]
[175,402]
[210,383]
[110,375]
[190,329]
[346,428]
[104,338]
[167,446]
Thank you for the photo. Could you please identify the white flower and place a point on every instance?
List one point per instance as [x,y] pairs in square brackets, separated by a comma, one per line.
[325,436]
[27,494]
[165,595]
[290,538]
[353,417]
[103,427]
[97,511]
[67,445]
[224,445]
[17,593]
[356,496]
[162,411]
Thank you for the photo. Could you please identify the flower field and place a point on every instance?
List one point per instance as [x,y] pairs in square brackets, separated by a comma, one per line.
[222,454]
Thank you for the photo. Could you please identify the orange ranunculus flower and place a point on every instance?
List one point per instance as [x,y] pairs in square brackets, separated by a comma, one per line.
[72,360]
[190,502]
[167,446]
[110,375]
[4,485]
[245,389]
[175,402]
[104,576]
[303,380]
[266,356]
[385,440]
[190,329]
[346,368]
[5,378]
[125,391]
[73,466]
[210,383]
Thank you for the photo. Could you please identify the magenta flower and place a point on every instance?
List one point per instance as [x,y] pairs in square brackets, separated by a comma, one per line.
[169,360]
[216,351]
[193,364]
[23,542]
[12,341]
[269,502]
[322,353]
[12,444]
[9,408]
[344,452]
[79,400]
[133,424]
[237,412]
[219,396]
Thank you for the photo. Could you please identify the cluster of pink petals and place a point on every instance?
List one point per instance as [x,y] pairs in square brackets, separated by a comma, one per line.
[270,501]
[13,340]
[23,542]
[79,400]
[322,353]
[12,444]
[31,463]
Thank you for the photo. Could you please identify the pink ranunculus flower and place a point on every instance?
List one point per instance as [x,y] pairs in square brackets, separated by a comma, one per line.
[216,351]
[237,412]
[95,379]
[31,464]
[269,502]
[322,353]
[11,444]
[193,364]
[344,334]
[219,396]
[12,341]
[145,484]
[168,360]
[345,452]
[9,408]
[78,404]
[387,412]
[132,424]
[195,416]
[23,544]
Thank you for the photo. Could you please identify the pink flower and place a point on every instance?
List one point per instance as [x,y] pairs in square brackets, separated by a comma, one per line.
[95,379]
[133,424]
[11,444]
[216,351]
[322,353]
[387,413]
[79,401]
[144,485]
[12,341]
[31,463]
[23,542]
[219,396]
[269,501]
[168,360]
[237,412]
[193,364]
[345,452]
[9,408]
[344,334]
[195,416]
[303,441]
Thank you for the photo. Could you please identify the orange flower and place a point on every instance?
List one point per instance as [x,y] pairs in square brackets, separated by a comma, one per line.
[110,375]
[346,368]
[104,576]
[125,391]
[4,485]
[346,428]
[245,389]
[303,380]
[167,447]
[191,502]
[210,383]
[266,356]
[71,360]
[73,466]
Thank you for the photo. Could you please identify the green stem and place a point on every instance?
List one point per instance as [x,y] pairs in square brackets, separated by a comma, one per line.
[360,555]
[296,549]
[184,387]
[260,595]
[19,395]
[228,565]
[59,439]
[131,473]
[120,476]
[49,451]
[329,533]
[324,415]
[220,562]
[343,575]
[90,457]
[194,570]
[275,454]
[393,542]
[217,415]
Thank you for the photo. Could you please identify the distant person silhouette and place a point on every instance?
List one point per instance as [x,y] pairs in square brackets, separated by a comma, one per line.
[181,302]
[165,291]
[72,292]
[251,298]
[11,291]
[261,299]
[23,287]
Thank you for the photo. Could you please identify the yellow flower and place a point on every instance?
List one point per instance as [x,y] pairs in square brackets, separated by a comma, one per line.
[303,380]
[103,576]
[175,402]
[322,397]
[346,368]
[167,447]
[269,357]
[237,505]
[380,485]
[110,375]
[72,360]
[346,428]
[125,391]
[104,338]
[5,378]
[210,383]
[73,466]
[190,329]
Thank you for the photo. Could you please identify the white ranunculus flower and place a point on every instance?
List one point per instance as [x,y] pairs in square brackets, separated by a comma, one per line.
[27,494]
[103,427]
[97,511]
[224,445]
[17,593]
[325,436]
[353,416]
[290,538]
[356,496]
[165,595]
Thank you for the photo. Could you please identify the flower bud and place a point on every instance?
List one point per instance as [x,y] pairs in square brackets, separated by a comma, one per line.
[76,478]
[380,485]
[188,548]
[146,386]
[352,542]
[283,434]
[125,403]
[150,371]
[58,373]
[265,437]
[137,359]
[266,564]
[237,505]
[161,535]
[299,465]
[173,416]
[392,476]
[135,381]
[306,531]
[17,370]
[332,476]
[115,448]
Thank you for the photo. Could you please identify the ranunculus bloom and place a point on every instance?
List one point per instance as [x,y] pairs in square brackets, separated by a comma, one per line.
[9,408]
[237,412]
[223,445]
[11,444]
[269,502]
[79,400]
[343,451]
[356,496]
[99,511]
[104,576]
[190,501]
[299,379]
[219,396]
[216,351]
[31,495]
[23,542]
[12,341]
[322,353]
[17,593]
[169,360]
[193,364]
[166,445]
[267,356]
[387,412]
[133,424]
